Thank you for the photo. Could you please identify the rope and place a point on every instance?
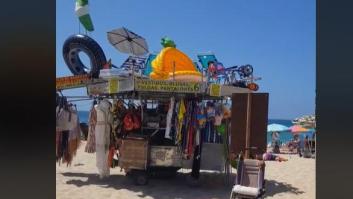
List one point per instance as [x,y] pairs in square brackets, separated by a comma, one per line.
[79,27]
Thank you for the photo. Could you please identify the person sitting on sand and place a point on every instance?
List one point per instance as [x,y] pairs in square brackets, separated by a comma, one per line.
[270,157]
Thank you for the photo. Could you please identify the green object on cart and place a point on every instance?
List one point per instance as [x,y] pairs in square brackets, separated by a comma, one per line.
[221,129]
[234,163]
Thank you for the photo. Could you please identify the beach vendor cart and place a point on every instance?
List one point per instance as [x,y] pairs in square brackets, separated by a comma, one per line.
[173,117]
[179,125]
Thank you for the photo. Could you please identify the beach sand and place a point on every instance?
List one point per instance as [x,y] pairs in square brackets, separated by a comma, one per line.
[292,179]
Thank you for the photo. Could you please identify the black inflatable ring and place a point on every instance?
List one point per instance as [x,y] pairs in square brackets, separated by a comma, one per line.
[83,43]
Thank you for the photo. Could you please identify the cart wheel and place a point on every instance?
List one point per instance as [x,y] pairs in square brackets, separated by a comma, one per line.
[192,181]
[140,177]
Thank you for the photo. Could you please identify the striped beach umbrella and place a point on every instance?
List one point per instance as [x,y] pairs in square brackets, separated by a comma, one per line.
[81,11]
[298,129]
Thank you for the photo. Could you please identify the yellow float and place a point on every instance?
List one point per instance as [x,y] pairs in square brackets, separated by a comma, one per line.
[172,64]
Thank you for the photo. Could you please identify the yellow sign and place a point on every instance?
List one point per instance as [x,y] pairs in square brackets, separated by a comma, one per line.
[97,89]
[215,90]
[113,85]
[71,82]
[167,86]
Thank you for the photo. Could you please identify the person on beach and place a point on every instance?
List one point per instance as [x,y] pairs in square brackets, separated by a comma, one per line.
[275,142]
[270,157]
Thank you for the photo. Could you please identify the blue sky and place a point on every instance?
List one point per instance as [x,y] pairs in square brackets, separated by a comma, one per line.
[277,37]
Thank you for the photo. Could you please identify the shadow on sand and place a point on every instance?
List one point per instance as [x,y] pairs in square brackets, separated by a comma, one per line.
[212,185]
[273,187]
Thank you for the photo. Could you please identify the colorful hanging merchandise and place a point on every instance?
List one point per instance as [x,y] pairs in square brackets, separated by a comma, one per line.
[68,132]
[81,10]
[75,137]
[91,140]
[102,135]
[132,120]
[169,119]
[119,112]
[181,114]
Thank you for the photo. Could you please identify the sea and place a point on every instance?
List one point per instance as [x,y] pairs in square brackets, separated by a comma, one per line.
[284,136]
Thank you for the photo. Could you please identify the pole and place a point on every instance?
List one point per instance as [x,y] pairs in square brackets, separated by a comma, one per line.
[173,70]
[141,105]
[248,122]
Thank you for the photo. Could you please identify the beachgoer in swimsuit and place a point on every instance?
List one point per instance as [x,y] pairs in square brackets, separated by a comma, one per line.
[270,157]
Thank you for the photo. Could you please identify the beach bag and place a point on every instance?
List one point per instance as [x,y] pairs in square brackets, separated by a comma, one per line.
[128,122]
[136,122]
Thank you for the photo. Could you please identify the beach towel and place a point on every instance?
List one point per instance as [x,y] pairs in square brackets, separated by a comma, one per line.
[91,139]
[62,150]
[111,154]
[248,191]
[74,137]
[102,135]
[169,119]
[181,113]
[65,120]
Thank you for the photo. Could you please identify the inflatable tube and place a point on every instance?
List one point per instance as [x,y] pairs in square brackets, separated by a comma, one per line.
[83,43]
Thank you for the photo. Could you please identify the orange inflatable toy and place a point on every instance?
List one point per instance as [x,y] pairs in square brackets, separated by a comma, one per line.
[171,64]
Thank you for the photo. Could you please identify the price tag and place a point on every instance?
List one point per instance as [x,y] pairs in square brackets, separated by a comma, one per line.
[97,89]
[215,90]
[113,85]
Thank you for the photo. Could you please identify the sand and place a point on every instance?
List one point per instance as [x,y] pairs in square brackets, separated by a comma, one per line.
[292,179]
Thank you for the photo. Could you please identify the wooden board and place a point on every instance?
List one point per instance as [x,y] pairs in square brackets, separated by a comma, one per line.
[133,154]
[257,122]
[238,123]
[165,156]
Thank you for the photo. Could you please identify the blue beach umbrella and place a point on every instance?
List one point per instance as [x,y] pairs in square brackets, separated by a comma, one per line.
[276,127]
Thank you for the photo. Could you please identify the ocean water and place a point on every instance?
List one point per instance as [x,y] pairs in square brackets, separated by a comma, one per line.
[284,136]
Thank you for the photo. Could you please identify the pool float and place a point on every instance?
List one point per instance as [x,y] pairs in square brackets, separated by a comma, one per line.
[83,43]
[171,59]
